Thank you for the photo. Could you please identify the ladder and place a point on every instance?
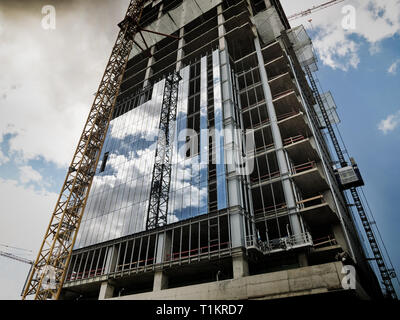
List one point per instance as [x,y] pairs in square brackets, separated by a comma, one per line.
[378,257]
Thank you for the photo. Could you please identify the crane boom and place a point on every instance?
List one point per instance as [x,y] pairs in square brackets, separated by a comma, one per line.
[14,257]
[314,9]
[56,249]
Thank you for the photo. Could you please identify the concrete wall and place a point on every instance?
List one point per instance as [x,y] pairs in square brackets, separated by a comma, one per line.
[296,282]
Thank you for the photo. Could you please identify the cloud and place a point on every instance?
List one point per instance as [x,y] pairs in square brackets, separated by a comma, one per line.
[49,76]
[376,20]
[393,67]
[390,123]
[28,174]
[25,213]
[3,158]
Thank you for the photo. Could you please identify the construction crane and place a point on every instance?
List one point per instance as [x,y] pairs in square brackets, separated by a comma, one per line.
[56,249]
[314,9]
[14,257]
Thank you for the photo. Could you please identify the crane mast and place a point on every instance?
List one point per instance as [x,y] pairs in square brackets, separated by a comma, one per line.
[56,249]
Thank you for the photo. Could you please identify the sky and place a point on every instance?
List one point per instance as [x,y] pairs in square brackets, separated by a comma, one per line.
[49,77]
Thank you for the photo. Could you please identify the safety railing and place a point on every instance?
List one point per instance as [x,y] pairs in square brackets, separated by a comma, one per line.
[84,274]
[196,252]
[293,140]
[311,201]
[268,176]
[327,241]
[281,244]
[270,209]
[282,94]
[304,167]
[287,115]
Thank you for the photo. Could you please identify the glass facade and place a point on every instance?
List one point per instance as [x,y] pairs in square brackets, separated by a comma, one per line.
[118,201]
[219,134]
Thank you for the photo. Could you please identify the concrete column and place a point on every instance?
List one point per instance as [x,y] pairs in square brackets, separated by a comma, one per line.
[240,266]
[231,142]
[106,291]
[328,176]
[111,261]
[163,247]
[160,281]
[303,261]
[280,154]
[180,52]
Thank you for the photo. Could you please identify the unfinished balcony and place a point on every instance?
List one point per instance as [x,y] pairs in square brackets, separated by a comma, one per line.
[287,101]
[301,148]
[309,178]
[281,84]
[272,51]
[318,210]
[293,124]
[276,61]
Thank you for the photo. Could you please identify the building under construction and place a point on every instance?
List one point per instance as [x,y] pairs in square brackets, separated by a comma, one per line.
[216,178]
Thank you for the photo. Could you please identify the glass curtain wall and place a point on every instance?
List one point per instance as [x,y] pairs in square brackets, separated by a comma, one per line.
[118,199]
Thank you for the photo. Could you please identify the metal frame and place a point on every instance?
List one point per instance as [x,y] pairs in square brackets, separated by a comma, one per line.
[378,257]
[59,240]
[144,245]
[160,185]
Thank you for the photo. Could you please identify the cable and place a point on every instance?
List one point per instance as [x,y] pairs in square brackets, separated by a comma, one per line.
[379,234]
[16,248]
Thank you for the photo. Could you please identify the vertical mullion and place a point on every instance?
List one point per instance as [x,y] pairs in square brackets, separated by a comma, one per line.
[73,268]
[80,263]
[199,238]
[208,236]
[180,245]
[132,254]
[140,251]
[229,231]
[123,260]
[171,257]
[190,240]
[219,237]
[147,250]
[86,261]
[91,263]
[116,263]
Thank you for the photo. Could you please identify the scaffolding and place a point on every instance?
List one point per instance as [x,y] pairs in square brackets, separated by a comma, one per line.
[302,46]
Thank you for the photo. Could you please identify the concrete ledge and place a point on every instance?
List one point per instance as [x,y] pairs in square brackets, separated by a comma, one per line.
[295,282]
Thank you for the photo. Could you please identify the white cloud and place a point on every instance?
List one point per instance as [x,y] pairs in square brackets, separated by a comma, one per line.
[24,213]
[48,78]
[393,67]
[376,20]
[390,123]
[28,174]
[3,158]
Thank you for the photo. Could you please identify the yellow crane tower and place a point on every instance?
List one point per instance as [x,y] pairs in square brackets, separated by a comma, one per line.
[56,249]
